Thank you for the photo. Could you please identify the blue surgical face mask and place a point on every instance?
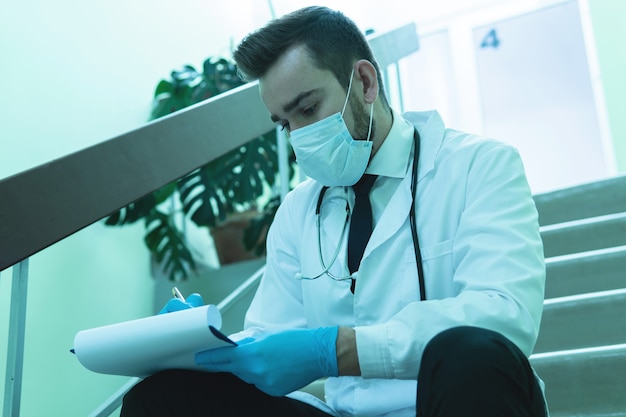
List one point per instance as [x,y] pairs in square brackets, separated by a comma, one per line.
[326,151]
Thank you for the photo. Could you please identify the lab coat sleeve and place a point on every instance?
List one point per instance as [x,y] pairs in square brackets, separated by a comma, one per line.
[277,303]
[497,266]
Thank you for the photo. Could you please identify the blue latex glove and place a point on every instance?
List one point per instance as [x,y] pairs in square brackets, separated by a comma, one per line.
[278,363]
[176,304]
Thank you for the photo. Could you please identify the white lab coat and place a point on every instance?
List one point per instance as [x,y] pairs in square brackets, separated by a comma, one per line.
[482,256]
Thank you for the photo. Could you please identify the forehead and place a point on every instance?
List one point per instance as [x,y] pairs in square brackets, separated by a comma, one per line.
[293,74]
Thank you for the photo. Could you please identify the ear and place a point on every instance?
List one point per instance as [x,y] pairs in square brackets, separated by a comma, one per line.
[366,73]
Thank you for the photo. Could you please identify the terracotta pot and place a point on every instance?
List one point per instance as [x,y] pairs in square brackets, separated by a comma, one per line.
[228,238]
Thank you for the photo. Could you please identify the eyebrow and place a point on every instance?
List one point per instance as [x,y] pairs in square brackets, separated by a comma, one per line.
[295,102]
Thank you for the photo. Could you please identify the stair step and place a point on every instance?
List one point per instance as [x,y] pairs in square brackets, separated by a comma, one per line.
[584,235]
[584,382]
[591,199]
[592,271]
[584,320]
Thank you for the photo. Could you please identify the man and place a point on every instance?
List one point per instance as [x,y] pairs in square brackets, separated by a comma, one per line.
[457,318]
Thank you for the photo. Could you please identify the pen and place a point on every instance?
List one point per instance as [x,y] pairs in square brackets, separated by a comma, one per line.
[178,294]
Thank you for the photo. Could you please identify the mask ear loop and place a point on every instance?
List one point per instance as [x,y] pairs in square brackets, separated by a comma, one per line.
[345,103]
[369,129]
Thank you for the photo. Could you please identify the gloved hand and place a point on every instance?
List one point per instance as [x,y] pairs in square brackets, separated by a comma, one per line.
[278,363]
[176,304]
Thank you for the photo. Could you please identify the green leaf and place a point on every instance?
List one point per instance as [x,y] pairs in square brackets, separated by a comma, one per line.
[168,246]
[132,212]
[185,76]
[164,192]
[201,199]
[164,87]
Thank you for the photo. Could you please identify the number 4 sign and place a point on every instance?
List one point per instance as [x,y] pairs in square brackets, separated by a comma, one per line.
[491,40]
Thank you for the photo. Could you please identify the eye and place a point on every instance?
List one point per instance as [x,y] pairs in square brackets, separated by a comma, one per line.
[309,111]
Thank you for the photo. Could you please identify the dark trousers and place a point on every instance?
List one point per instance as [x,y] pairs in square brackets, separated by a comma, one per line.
[179,393]
[469,371]
[466,371]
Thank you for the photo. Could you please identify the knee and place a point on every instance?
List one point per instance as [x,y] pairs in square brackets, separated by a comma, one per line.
[468,347]
[470,365]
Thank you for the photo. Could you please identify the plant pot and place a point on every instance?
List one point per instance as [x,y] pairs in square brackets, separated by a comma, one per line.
[228,238]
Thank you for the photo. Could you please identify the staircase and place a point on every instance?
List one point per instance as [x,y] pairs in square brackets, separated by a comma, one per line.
[581,350]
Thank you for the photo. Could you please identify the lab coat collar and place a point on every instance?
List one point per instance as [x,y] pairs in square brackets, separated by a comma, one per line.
[431,128]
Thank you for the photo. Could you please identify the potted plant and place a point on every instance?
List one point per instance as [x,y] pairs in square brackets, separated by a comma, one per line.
[226,188]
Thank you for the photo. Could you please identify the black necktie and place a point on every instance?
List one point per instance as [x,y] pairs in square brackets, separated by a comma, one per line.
[360,223]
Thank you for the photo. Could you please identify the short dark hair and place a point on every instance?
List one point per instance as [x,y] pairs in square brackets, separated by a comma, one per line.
[333,41]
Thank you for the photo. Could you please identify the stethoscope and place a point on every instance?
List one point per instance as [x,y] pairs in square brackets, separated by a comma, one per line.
[412,221]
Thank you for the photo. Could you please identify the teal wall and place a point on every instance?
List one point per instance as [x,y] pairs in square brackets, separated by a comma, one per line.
[610,33]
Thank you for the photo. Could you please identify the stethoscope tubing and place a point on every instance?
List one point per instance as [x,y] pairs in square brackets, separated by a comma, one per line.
[412,221]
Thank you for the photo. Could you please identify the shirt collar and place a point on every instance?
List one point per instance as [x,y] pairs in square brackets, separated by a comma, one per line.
[393,156]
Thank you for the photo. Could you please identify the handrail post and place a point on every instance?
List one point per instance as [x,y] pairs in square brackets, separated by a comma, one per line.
[15,351]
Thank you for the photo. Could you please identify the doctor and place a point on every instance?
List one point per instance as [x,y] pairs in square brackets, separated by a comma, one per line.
[447,295]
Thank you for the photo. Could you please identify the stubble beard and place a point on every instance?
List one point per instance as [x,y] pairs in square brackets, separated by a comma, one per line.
[361,119]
